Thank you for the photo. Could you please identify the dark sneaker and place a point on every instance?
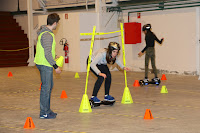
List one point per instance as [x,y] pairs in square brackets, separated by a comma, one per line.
[146,80]
[95,99]
[155,79]
[52,113]
[109,98]
[47,116]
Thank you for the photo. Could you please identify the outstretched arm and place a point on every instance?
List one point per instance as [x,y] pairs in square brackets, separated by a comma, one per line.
[159,41]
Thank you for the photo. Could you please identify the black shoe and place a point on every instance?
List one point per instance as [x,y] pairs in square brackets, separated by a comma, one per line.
[52,113]
[47,116]
[146,80]
[155,79]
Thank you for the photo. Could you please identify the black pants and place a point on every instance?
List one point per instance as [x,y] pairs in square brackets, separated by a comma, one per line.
[104,69]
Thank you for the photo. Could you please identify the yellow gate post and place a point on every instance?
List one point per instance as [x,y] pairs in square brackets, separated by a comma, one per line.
[127,98]
[85,104]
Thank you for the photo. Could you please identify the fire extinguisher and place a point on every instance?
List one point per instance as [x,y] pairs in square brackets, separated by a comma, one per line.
[63,41]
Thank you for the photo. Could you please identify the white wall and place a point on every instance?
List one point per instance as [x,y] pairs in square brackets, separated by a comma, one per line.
[22,20]
[178,52]
[87,21]
[72,33]
[108,24]
[70,29]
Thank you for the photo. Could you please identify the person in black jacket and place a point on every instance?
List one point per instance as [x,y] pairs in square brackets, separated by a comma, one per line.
[150,39]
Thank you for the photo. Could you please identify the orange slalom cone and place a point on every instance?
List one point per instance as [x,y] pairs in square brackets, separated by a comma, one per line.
[163,77]
[40,86]
[63,94]
[29,123]
[148,115]
[10,74]
[136,83]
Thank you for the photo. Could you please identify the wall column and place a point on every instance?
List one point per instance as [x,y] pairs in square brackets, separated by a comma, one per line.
[30,31]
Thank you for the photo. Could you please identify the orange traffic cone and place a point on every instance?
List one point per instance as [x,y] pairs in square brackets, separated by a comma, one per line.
[10,74]
[40,86]
[63,94]
[29,123]
[136,83]
[163,77]
[148,115]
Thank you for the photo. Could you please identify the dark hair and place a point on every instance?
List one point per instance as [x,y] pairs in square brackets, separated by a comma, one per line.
[146,27]
[52,18]
[112,46]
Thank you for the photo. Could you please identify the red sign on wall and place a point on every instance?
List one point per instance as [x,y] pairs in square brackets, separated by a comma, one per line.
[132,33]
[66,16]
[138,15]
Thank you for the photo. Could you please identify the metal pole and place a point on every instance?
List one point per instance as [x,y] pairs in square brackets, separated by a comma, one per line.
[30,31]
[98,9]
[197,42]
[18,7]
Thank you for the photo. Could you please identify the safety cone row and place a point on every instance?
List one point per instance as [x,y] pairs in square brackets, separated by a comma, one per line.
[148,115]
[29,123]
[84,108]
[10,74]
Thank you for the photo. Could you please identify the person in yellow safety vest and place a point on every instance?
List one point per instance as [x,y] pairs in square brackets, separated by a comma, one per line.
[45,62]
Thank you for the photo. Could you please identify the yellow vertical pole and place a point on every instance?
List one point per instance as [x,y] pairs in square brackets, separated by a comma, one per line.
[126,98]
[89,59]
[123,49]
[85,104]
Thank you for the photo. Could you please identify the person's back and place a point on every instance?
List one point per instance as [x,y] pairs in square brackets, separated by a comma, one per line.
[150,39]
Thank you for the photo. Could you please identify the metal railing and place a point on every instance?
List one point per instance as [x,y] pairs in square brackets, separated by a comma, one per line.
[66,2]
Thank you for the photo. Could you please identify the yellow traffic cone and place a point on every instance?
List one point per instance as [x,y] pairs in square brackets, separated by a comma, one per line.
[127,98]
[59,61]
[85,105]
[77,76]
[164,89]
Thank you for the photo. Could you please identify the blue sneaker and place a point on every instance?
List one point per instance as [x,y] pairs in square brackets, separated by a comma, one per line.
[109,98]
[47,116]
[95,99]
